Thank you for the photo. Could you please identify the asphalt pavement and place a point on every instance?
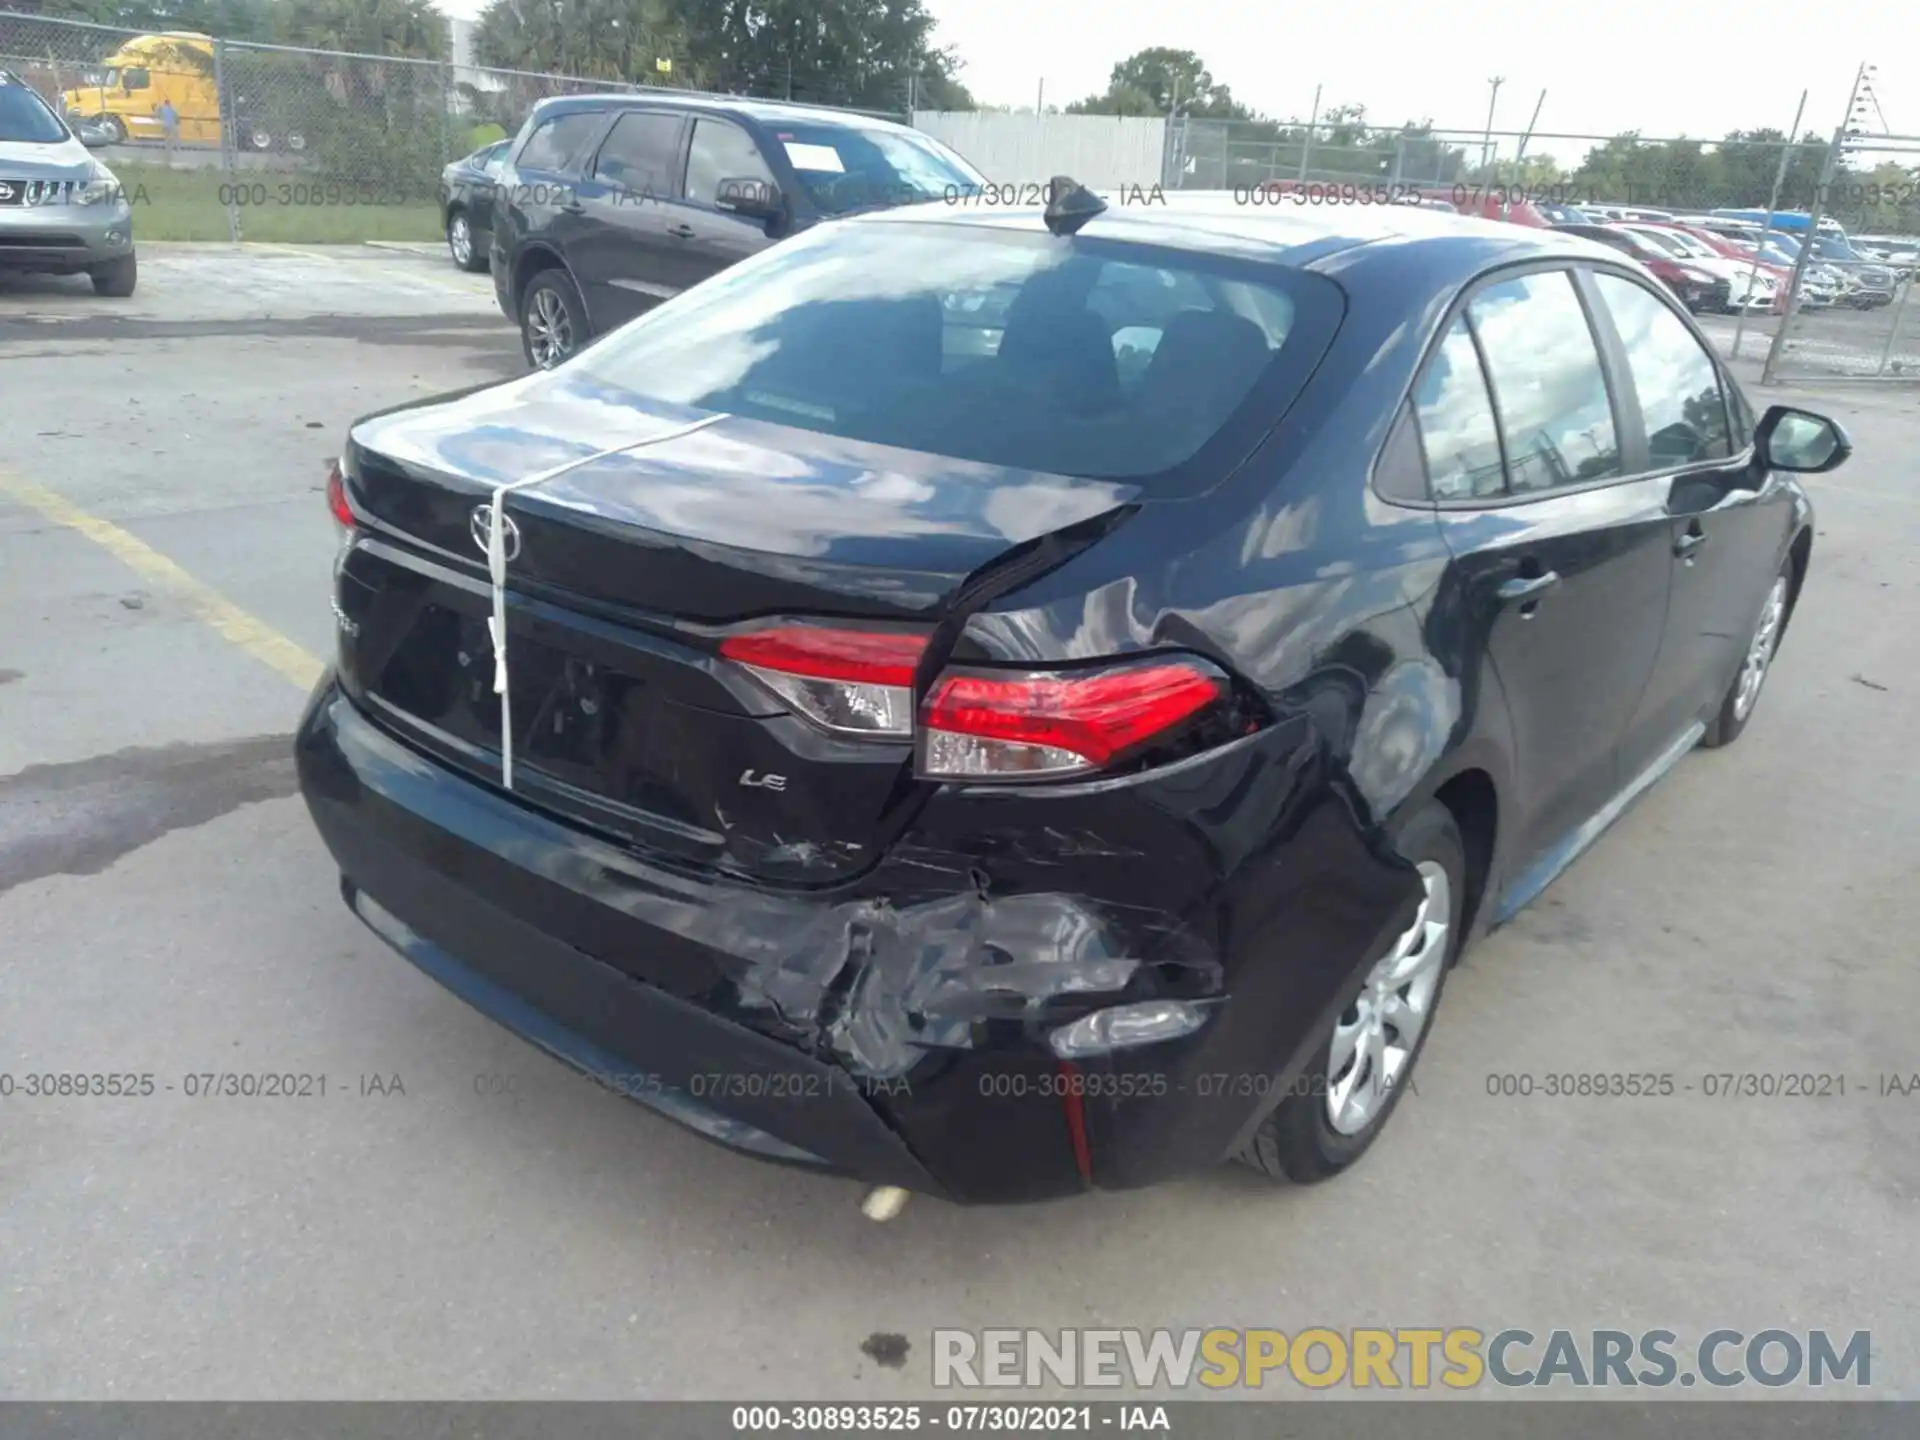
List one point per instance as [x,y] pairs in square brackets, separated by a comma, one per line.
[457,1216]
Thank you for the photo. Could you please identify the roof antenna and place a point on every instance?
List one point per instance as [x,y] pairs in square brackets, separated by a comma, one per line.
[1070,205]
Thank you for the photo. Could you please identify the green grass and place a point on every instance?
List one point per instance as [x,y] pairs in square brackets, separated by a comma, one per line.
[272,205]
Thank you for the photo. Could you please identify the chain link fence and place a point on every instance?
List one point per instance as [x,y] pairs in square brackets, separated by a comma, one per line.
[216,139]
[1852,314]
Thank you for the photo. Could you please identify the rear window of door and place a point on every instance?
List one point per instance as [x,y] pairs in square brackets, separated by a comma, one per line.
[557,143]
[641,152]
[1676,380]
[1457,429]
[721,151]
[1548,386]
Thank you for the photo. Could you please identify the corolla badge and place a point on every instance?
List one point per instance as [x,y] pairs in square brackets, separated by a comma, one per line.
[481,525]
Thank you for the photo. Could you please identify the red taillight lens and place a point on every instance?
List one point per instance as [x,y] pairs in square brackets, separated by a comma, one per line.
[1033,725]
[337,497]
[857,682]
[977,724]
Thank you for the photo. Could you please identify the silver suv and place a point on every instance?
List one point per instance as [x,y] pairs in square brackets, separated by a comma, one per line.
[61,211]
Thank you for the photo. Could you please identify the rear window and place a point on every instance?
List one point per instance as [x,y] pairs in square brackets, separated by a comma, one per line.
[25,118]
[844,168]
[556,142]
[1078,357]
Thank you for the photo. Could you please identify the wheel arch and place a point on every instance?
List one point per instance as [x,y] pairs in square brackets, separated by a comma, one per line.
[531,261]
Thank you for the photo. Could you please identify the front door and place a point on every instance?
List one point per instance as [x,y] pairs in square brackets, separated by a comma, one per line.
[1561,564]
[1727,524]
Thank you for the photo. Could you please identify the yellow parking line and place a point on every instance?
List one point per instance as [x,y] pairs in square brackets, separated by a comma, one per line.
[255,636]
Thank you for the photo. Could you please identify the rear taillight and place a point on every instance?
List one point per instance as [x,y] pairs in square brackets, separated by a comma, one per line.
[852,682]
[1009,726]
[337,502]
[978,724]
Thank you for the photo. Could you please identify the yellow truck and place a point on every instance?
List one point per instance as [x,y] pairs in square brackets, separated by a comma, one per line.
[175,66]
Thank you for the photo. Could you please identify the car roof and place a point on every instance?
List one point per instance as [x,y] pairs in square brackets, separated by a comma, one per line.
[767,112]
[1305,236]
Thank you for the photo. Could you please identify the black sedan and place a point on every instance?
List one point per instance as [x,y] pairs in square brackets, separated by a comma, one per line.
[1005,750]
[466,204]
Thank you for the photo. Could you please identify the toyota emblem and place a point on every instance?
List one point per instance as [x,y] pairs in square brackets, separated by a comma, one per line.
[6,191]
[481,526]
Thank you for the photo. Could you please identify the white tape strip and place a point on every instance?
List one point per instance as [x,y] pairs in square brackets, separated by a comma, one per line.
[497,570]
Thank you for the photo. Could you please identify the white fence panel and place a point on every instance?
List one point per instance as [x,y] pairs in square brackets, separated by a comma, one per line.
[1100,151]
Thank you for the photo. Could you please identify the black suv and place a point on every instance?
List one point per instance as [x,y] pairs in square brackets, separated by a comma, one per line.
[613,203]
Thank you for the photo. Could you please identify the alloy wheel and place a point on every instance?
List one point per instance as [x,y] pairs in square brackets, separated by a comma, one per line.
[460,240]
[549,329]
[1374,1041]
[1753,671]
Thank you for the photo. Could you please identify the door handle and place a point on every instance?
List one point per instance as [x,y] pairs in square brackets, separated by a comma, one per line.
[1526,590]
[680,232]
[572,207]
[1688,543]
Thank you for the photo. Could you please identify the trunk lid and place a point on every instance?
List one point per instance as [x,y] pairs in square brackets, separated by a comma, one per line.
[630,569]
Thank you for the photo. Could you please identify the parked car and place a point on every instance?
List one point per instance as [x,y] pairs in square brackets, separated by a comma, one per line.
[1874,281]
[926,747]
[612,203]
[466,204]
[1822,285]
[1698,288]
[62,212]
[1748,286]
[1901,252]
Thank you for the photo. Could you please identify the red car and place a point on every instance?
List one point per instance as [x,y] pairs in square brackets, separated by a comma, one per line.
[1732,249]
[1698,289]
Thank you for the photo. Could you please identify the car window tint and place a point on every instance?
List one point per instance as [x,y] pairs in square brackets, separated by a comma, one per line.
[721,151]
[555,144]
[967,342]
[1678,385]
[639,152]
[1547,382]
[1457,428]
[1138,302]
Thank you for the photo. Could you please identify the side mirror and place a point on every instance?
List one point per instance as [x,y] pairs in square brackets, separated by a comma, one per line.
[1799,440]
[749,198]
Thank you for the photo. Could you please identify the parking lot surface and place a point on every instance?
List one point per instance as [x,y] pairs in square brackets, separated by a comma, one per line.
[458,1216]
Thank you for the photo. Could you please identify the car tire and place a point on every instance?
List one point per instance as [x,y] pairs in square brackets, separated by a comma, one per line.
[116,278]
[460,243]
[553,319]
[1300,1140]
[114,129]
[1743,694]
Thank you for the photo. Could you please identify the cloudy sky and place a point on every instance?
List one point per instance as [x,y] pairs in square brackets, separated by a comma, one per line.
[1668,69]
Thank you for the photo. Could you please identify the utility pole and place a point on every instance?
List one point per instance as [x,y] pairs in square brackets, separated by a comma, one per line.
[1773,211]
[1486,141]
[1835,153]
[1306,146]
[1521,152]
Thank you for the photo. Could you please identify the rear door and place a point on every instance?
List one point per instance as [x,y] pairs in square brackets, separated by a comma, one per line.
[623,257]
[1726,526]
[536,198]
[721,156]
[1565,563]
